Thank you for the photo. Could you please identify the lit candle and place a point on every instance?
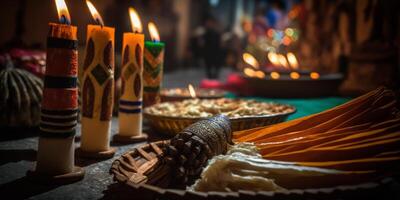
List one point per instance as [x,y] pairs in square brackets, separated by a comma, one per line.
[249,59]
[275,75]
[294,75]
[192,91]
[55,157]
[97,89]
[292,61]
[314,75]
[130,103]
[153,67]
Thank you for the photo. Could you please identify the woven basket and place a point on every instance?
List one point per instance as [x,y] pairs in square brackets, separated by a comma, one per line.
[173,125]
[142,173]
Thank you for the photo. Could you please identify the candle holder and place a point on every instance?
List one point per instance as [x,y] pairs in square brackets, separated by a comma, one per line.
[286,84]
[59,109]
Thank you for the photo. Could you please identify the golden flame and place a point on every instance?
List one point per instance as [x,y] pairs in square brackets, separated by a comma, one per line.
[283,61]
[294,75]
[153,32]
[259,74]
[314,75]
[292,60]
[273,58]
[63,14]
[275,75]
[192,92]
[249,72]
[96,16]
[249,59]
[135,21]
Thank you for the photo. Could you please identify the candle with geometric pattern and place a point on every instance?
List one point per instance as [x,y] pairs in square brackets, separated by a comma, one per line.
[59,109]
[97,90]
[130,102]
[153,67]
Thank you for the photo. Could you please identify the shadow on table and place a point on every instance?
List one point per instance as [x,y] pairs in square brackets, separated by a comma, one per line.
[16,155]
[124,192]
[16,133]
[22,188]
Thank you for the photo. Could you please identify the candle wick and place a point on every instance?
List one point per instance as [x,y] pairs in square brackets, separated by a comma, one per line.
[64,20]
[99,22]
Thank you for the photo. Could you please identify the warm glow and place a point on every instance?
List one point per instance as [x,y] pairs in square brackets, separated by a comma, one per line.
[249,59]
[259,74]
[63,14]
[275,75]
[153,32]
[135,21]
[292,60]
[192,91]
[283,61]
[96,16]
[314,75]
[294,75]
[249,72]
[273,58]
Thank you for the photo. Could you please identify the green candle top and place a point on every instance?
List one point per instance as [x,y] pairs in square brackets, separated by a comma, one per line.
[154,47]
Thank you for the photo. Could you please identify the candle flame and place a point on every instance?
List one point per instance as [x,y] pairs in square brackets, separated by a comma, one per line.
[249,59]
[275,75]
[62,10]
[192,92]
[259,74]
[153,32]
[96,16]
[292,60]
[249,72]
[273,58]
[253,73]
[135,21]
[283,61]
[294,75]
[314,75]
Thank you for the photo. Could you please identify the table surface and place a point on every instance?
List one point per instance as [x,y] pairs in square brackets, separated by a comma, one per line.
[18,155]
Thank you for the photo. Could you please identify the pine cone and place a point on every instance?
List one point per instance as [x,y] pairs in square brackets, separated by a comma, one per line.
[190,150]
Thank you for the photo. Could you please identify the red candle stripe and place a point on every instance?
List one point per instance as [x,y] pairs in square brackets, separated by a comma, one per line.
[60,99]
[62,62]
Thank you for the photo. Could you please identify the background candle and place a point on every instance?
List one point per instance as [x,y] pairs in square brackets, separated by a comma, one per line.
[97,88]
[60,101]
[130,103]
[153,68]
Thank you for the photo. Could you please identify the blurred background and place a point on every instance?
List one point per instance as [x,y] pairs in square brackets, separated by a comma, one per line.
[205,39]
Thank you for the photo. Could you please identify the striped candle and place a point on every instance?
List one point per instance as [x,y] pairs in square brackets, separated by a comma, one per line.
[60,102]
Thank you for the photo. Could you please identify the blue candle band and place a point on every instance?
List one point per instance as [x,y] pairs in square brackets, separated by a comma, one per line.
[131,111]
[130,103]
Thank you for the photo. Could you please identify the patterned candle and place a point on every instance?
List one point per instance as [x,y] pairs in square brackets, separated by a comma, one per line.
[97,89]
[55,158]
[130,103]
[153,67]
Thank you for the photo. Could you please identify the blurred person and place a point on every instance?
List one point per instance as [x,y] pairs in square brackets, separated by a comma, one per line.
[212,48]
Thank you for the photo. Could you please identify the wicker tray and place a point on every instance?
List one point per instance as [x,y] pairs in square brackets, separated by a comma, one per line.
[173,125]
[140,170]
